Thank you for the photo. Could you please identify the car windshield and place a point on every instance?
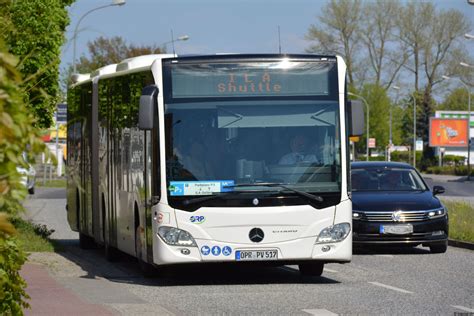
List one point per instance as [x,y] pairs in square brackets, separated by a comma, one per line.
[386,179]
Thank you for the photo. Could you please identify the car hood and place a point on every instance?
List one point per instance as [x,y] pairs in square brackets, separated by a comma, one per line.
[394,201]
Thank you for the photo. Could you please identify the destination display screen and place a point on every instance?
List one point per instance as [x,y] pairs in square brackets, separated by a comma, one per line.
[252,79]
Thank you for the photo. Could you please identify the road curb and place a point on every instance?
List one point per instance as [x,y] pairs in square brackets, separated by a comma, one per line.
[461,244]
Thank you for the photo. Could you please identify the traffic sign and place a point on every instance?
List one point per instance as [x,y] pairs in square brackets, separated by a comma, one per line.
[61,113]
[371,142]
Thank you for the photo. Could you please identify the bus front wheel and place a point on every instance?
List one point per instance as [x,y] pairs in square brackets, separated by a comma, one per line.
[311,268]
[147,269]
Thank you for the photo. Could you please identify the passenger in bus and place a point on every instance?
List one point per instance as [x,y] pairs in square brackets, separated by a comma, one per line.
[299,152]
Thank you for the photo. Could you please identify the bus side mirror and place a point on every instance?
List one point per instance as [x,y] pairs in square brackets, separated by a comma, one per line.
[146,110]
[356,111]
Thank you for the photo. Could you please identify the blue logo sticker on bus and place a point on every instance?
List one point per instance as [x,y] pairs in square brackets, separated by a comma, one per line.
[226,251]
[205,250]
[216,250]
[197,219]
[176,188]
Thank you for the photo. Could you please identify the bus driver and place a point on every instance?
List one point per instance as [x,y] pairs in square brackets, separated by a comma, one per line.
[298,146]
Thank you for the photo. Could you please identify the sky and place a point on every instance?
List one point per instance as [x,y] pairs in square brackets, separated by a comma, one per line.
[213,26]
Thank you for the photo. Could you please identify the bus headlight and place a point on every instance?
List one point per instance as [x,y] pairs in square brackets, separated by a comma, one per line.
[176,237]
[334,233]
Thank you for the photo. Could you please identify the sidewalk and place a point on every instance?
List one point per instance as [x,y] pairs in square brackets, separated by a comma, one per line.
[48,297]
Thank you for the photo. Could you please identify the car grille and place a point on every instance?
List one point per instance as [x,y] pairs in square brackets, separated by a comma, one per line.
[402,216]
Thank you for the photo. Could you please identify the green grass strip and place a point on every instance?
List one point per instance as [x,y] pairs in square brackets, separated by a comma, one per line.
[461,220]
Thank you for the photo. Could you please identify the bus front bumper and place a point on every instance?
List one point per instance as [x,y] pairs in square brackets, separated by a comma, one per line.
[293,251]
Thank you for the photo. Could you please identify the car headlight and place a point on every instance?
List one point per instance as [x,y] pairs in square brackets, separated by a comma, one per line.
[334,233]
[356,215]
[436,213]
[176,237]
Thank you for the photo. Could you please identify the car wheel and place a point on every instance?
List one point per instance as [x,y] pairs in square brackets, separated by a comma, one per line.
[439,248]
[31,190]
[311,269]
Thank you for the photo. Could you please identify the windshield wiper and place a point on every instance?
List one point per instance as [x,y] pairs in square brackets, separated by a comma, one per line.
[284,186]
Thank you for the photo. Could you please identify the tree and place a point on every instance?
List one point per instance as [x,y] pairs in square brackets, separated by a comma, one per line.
[104,51]
[457,100]
[17,134]
[35,33]
[386,57]
[338,32]
[379,104]
[414,23]
[440,47]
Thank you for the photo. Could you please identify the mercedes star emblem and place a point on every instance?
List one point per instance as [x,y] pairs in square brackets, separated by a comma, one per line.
[256,235]
[255,201]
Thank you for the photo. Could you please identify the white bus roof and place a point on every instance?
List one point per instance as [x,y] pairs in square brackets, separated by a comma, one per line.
[140,61]
[104,70]
[78,78]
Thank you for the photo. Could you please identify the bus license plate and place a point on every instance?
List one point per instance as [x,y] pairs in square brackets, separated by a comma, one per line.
[396,229]
[253,255]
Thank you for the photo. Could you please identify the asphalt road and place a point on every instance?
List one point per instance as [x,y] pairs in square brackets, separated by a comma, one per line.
[457,189]
[384,281]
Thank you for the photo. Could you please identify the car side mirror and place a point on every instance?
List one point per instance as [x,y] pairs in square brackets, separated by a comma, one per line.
[437,189]
[356,111]
[146,110]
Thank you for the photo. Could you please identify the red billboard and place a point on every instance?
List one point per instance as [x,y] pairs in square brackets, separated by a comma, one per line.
[449,132]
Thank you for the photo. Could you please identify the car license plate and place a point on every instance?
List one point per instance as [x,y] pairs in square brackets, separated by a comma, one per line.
[252,255]
[396,229]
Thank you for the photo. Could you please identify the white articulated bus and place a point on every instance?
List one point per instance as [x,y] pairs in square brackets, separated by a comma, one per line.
[219,158]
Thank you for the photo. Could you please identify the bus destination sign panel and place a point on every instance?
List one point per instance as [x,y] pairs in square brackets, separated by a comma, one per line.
[282,78]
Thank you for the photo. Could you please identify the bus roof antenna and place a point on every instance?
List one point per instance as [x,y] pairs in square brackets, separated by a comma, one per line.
[279,40]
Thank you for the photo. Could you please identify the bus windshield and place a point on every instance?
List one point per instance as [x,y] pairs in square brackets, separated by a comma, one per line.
[288,134]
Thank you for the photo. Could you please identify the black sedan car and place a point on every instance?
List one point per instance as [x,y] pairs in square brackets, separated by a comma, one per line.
[392,204]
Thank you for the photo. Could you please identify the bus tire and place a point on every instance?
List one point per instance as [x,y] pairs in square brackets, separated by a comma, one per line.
[147,269]
[111,254]
[86,242]
[311,268]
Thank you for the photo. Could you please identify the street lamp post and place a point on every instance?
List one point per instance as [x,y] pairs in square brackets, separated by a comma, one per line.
[367,115]
[179,38]
[114,3]
[468,124]
[414,129]
[390,142]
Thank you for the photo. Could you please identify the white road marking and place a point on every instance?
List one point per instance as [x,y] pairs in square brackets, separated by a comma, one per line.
[469,310]
[319,312]
[391,287]
[330,270]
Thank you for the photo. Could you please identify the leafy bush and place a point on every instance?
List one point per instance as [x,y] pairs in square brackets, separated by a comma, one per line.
[400,156]
[12,286]
[40,230]
[450,170]
[452,160]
